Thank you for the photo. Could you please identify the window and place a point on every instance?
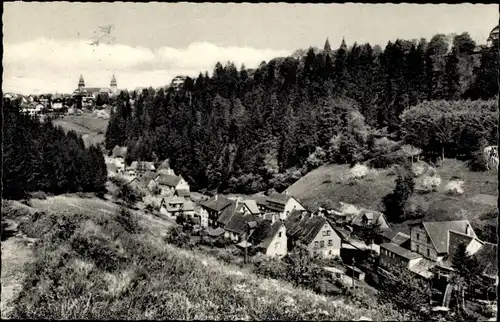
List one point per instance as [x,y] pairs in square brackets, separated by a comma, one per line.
[279,234]
[322,243]
[330,242]
[418,250]
[428,240]
[316,244]
[418,236]
[330,252]
[328,233]
[428,252]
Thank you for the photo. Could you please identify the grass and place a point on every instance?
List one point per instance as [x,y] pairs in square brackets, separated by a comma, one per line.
[89,126]
[331,184]
[88,267]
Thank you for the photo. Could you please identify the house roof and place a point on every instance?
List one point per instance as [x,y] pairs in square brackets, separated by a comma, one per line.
[263,235]
[252,206]
[398,250]
[119,152]
[216,204]
[144,164]
[238,223]
[278,198]
[147,177]
[304,227]
[182,192]
[387,233]
[438,232]
[423,268]
[400,238]
[168,180]
[487,256]
[227,213]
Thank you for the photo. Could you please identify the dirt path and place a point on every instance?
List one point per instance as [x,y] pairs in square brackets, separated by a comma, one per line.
[16,253]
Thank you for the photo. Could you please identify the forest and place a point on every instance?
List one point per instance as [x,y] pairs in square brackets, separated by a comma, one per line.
[38,156]
[247,130]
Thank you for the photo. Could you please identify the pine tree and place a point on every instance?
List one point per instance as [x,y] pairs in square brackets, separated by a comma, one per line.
[327,47]
[341,69]
[452,75]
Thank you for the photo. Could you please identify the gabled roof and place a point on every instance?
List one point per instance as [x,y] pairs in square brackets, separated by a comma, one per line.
[238,223]
[400,239]
[182,192]
[119,152]
[168,180]
[388,233]
[438,232]
[398,250]
[278,198]
[375,216]
[252,206]
[304,227]
[263,235]
[216,203]
[227,213]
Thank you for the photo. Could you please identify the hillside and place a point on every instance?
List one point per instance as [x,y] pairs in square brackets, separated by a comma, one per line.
[91,128]
[88,265]
[330,184]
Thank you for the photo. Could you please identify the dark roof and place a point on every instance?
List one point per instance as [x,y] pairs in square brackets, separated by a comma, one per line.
[387,233]
[227,213]
[400,239]
[168,180]
[263,235]
[182,192]
[216,204]
[278,198]
[147,177]
[487,256]
[438,232]
[238,223]
[398,250]
[304,227]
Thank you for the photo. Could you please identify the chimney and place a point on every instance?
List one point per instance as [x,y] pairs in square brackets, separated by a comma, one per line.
[467,229]
[286,192]
[216,197]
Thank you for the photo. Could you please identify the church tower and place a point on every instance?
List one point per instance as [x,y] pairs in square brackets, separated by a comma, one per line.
[81,84]
[113,85]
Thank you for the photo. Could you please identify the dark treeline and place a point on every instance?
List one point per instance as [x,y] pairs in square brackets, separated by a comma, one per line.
[247,130]
[41,157]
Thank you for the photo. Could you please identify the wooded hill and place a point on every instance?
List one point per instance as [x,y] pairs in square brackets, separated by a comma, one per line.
[244,131]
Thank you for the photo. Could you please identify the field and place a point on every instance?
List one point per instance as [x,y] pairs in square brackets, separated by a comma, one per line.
[88,265]
[89,126]
[330,184]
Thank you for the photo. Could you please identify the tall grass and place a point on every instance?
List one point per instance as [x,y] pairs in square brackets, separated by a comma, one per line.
[90,267]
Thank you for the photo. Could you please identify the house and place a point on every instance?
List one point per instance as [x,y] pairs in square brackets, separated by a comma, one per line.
[140,167]
[314,232]
[354,272]
[57,104]
[174,206]
[252,207]
[212,208]
[402,240]
[367,218]
[385,235]
[183,193]
[392,255]
[238,226]
[228,212]
[270,238]
[280,204]
[170,183]
[431,239]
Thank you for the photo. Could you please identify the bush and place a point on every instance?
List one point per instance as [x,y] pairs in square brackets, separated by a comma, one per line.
[129,194]
[454,187]
[359,171]
[128,220]
[431,183]
[419,168]
[387,160]
[383,145]
[38,195]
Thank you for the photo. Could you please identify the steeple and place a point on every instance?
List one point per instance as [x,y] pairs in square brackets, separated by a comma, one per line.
[113,85]
[81,83]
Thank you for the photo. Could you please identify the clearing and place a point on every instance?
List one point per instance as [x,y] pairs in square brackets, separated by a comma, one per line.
[91,128]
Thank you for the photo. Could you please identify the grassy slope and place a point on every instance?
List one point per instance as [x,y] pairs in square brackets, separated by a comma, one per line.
[329,184]
[149,279]
[89,126]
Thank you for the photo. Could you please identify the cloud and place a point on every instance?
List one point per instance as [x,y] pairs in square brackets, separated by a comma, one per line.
[47,65]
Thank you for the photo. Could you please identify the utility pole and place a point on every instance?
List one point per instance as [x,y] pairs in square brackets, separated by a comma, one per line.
[246,243]
[353,262]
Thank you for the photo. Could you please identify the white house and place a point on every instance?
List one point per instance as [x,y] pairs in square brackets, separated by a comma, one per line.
[169,184]
[270,238]
[280,204]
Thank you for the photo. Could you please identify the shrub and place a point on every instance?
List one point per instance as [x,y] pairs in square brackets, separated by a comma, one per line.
[431,183]
[383,145]
[386,160]
[38,195]
[419,168]
[128,220]
[129,194]
[359,171]
[455,187]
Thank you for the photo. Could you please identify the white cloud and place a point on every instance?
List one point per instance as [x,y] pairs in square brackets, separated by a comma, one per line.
[46,65]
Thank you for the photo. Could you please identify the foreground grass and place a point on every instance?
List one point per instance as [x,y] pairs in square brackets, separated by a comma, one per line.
[87,266]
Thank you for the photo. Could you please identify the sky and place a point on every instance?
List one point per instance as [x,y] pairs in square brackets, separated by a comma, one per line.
[47,46]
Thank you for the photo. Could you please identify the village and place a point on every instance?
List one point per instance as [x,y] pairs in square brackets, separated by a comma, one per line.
[357,245]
